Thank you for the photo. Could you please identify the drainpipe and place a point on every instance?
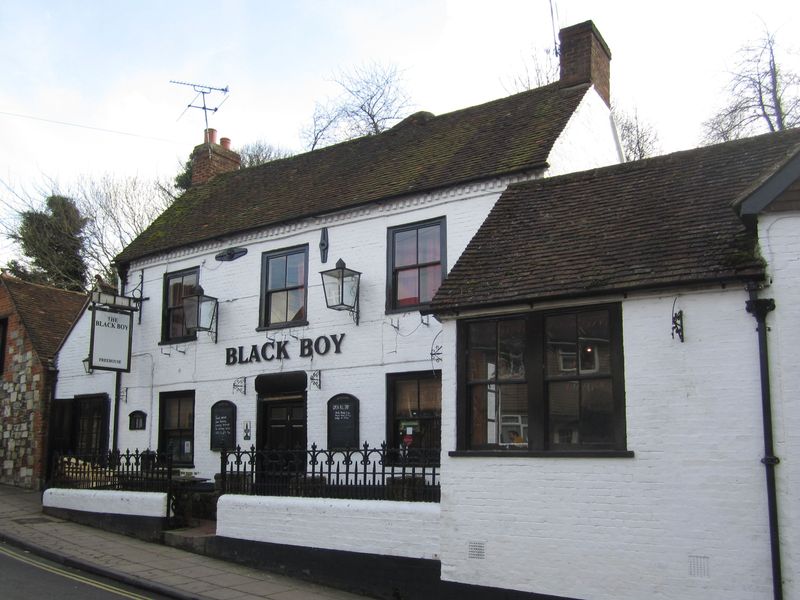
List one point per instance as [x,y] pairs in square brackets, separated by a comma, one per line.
[117,391]
[760,308]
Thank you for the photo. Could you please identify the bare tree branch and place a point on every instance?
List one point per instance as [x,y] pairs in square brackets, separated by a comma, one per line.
[638,138]
[539,69]
[260,152]
[112,211]
[372,100]
[763,97]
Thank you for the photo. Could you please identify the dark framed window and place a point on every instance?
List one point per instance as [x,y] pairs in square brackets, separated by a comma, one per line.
[177,286]
[137,420]
[416,264]
[176,426]
[3,335]
[284,281]
[548,381]
[414,410]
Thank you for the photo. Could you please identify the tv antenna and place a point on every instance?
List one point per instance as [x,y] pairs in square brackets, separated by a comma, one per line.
[202,90]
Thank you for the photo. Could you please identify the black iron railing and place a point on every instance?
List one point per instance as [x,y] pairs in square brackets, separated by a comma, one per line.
[380,473]
[145,471]
[135,471]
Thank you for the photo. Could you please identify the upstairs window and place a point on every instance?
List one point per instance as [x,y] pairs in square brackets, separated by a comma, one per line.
[416,264]
[177,286]
[547,381]
[284,282]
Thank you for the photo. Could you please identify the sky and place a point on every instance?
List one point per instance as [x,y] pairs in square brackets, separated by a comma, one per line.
[86,84]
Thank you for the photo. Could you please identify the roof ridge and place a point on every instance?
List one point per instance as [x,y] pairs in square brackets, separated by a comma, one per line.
[390,130]
[677,154]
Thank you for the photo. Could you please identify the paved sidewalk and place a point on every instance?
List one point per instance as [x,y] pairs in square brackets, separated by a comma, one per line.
[159,568]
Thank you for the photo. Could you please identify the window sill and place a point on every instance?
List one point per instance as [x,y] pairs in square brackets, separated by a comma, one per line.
[418,308]
[176,341]
[283,326]
[543,453]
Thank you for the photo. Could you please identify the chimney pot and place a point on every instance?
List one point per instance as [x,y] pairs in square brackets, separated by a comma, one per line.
[210,159]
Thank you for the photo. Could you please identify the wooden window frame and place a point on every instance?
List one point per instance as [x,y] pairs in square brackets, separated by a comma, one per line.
[166,309]
[539,442]
[391,270]
[392,440]
[163,400]
[264,304]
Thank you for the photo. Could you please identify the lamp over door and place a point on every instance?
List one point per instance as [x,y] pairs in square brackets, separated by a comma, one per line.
[200,312]
[341,287]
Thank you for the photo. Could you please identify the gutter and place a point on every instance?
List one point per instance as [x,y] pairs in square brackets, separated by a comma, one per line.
[760,308]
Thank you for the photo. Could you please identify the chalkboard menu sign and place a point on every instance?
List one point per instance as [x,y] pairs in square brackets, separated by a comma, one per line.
[223,425]
[343,421]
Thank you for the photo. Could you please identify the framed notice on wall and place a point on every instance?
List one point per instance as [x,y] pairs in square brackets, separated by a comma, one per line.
[343,422]
[110,345]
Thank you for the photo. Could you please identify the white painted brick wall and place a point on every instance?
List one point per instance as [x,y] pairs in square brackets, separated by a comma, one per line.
[144,504]
[72,378]
[409,529]
[588,141]
[380,344]
[780,247]
[626,528]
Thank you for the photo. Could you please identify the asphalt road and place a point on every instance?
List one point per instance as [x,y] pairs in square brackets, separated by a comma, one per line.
[24,576]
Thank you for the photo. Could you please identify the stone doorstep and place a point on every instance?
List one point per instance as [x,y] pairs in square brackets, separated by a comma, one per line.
[192,539]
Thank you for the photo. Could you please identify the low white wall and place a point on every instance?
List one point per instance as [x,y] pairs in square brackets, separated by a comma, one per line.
[409,529]
[143,504]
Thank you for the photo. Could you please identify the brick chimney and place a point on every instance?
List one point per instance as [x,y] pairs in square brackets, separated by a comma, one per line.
[209,159]
[585,58]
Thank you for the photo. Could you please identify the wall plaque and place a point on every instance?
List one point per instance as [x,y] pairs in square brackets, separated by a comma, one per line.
[223,425]
[343,421]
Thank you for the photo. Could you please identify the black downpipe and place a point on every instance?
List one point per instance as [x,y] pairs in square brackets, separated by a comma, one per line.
[760,308]
[117,391]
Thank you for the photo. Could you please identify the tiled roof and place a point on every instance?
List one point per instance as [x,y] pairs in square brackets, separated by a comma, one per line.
[658,222]
[419,154]
[46,312]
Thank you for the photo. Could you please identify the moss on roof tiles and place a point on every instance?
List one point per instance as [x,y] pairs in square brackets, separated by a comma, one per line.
[422,154]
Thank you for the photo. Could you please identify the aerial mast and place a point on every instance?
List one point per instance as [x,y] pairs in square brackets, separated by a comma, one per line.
[203,91]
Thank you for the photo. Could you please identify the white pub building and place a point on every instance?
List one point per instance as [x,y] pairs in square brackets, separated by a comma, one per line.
[572,380]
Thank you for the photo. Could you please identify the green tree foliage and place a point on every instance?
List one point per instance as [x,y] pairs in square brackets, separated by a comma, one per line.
[183,180]
[51,240]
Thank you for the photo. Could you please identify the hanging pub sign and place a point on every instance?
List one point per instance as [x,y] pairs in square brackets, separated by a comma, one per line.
[223,425]
[110,344]
[343,422]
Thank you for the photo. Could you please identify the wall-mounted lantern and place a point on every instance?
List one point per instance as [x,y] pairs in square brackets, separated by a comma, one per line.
[86,366]
[200,312]
[341,288]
